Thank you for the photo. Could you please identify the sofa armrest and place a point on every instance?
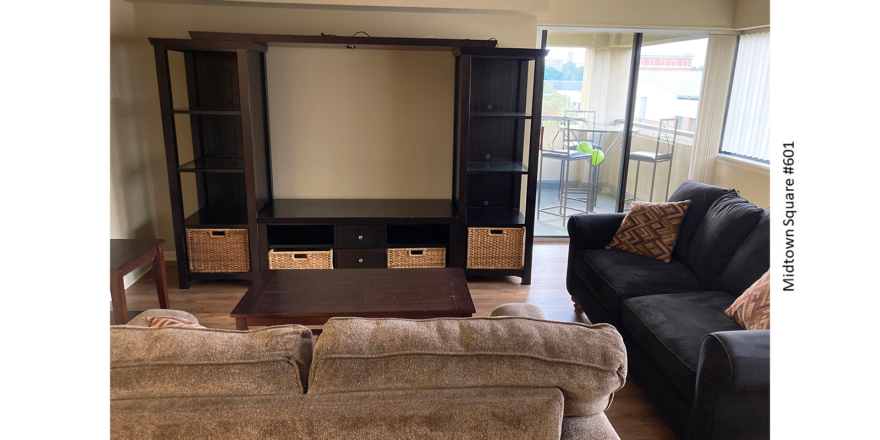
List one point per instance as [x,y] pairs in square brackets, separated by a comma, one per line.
[593,231]
[733,386]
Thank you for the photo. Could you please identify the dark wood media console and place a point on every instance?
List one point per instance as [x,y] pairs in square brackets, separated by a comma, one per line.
[229,121]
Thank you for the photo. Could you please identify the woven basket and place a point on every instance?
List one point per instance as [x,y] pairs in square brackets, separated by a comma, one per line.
[495,248]
[218,250]
[409,258]
[285,260]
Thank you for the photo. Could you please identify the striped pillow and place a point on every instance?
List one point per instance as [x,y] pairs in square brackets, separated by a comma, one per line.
[752,309]
[171,321]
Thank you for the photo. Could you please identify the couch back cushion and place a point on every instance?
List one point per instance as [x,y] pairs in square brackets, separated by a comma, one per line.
[727,224]
[484,413]
[751,259]
[588,363]
[185,362]
[702,196]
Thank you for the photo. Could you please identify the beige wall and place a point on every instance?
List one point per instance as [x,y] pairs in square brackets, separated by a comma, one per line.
[753,185]
[131,192]
[330,141]
[751,14]
[174,20]
[715,14]
[132,200]
[495,5]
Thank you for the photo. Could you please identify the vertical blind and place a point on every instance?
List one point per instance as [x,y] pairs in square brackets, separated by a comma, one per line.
[747,127]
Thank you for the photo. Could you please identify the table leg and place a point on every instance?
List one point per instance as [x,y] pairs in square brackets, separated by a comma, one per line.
[117,296]
[241,324]
[161,277]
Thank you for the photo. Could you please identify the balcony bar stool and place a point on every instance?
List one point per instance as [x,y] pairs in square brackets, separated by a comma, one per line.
[571,138]
[667,126]
[565,159]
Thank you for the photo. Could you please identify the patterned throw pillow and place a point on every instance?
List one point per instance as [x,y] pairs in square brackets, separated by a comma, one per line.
[650,229]
[752,309]
[170,321]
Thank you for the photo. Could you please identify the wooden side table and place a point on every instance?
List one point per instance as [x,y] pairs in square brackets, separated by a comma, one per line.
[128,255]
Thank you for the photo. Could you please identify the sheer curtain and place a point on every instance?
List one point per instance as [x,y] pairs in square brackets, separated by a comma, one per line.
[747,129]
[713,101]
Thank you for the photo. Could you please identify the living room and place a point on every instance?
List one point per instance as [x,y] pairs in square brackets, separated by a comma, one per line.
[436,219]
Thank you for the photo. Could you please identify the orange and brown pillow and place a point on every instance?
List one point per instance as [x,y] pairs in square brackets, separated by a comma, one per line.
[650,229]
[171,321]
[752,309]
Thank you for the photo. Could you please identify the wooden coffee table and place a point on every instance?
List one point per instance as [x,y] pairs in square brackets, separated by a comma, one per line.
[311,297]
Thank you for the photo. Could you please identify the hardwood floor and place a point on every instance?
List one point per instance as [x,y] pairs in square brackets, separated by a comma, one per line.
[631,414]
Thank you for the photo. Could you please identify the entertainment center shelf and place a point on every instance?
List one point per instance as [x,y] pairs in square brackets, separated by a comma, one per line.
[342,211]
[215,112]
[500,115]
[496,166]
[227,113]
[213,166]
[217,218]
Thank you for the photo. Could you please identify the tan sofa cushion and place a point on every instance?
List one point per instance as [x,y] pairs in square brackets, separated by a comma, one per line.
[176,362]
[487,413]
[588,363]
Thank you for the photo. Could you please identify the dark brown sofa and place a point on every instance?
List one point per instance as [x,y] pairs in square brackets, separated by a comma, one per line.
[708,378]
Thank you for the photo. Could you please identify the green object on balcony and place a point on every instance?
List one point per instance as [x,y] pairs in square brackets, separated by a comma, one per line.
[585,147]
[598,157]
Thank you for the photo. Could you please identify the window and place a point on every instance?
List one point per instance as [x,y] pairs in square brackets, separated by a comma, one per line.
[680,122]
[652,62]
[662,62]
[686,63]
[747,124]
[643,104]
[674,63]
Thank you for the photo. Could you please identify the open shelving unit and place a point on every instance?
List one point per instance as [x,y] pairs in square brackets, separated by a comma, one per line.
[495,126]
[226,89]
[230,148]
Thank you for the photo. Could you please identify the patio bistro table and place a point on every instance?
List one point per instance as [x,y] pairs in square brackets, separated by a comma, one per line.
[570,154]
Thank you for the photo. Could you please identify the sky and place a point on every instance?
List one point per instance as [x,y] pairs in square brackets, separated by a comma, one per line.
[695,47]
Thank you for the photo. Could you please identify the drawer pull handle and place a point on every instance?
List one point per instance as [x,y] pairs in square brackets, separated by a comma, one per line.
[360,260]
[360,237]
[301,256]
[218,233]
[417,252]
[496,232]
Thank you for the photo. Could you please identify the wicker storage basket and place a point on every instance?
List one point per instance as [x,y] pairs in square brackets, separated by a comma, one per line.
[218,250]
[409,258]
[285,260]
[495,248]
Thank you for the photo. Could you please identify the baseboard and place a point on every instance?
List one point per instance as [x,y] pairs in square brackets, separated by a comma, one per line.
[135,275]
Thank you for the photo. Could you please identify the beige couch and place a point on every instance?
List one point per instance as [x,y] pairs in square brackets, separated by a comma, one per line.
[510,376]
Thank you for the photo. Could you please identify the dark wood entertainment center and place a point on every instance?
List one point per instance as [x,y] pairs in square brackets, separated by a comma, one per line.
[229,121]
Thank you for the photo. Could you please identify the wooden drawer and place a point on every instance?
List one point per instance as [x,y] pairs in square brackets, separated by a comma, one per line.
[360,237]
[360,258]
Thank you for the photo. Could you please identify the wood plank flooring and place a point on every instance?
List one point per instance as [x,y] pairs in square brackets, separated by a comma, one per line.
[631,414]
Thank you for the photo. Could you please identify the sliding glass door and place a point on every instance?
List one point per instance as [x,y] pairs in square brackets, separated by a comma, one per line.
[609,114]
[586,81]
[667,95]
